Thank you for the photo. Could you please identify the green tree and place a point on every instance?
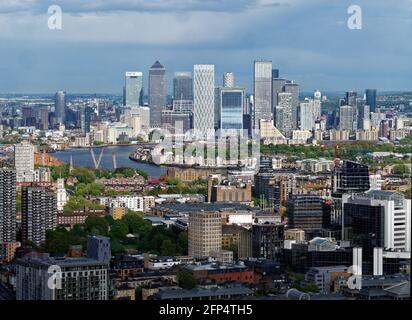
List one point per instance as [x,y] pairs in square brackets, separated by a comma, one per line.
[186,280]
[125,172]
[84,175]
[97,226]
[143,173]
[400,169]
[119,230]
[168,248]
[310,287]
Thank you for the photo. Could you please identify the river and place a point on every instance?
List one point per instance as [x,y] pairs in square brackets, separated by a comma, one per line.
[83,158]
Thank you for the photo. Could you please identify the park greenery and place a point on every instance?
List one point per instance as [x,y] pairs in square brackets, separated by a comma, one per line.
[132,233]
[186,280]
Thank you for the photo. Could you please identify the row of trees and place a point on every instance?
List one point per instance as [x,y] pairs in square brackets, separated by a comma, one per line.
[347,151]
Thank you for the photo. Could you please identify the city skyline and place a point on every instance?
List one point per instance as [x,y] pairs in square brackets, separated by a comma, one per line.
[101,41]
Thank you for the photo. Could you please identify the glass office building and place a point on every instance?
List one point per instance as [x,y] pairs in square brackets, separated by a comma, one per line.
[231,111]
[133,89]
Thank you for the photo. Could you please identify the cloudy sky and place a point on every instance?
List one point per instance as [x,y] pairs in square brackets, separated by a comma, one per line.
[308,40]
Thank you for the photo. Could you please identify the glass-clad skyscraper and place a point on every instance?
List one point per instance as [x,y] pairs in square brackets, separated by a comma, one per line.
[371,99]
[183,86]
[231,111]
[262,92]
[157,93]
[133,89]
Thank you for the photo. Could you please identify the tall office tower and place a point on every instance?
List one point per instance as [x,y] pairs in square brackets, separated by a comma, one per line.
[384,129]
[346,117]
[39,214]
[228,80]
[267,241]
[7,205]
[364,121]
[293,88]
[371,99]
[60,106]
[204,233]
[308,212]
[275,73]
[183,86]
[133,89]
[85,118]
[262,92]
[278,85]
[204,98]
[24,161]
[350,177]
[231,108]
[307,118]
[28,116]
[317,105]
[61,194]
[379,218]
[44,119]
[351,98]
[157,93]
[284,116]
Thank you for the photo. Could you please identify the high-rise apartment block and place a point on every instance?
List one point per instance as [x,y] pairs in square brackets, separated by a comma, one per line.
[7,205]
[24,161]
[284,113]
[39,214]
